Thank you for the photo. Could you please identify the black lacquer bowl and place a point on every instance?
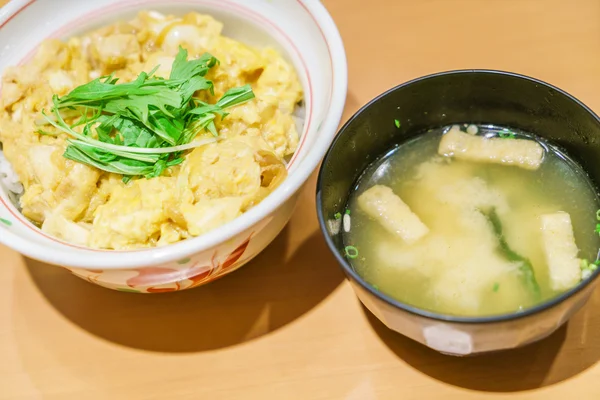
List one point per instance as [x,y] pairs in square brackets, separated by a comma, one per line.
[475,96]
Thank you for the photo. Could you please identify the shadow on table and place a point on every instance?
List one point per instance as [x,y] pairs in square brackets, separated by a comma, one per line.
[261,297]
[567,352]
[268,293]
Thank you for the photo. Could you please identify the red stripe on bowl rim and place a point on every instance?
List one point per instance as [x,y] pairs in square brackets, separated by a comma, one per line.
[124,5]
[332,78]
[17,12]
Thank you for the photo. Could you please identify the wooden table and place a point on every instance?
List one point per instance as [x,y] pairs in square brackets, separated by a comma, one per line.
[288,326]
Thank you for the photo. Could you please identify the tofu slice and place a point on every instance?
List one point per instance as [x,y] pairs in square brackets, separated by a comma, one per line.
[380,203]
[560,250]
[523,153]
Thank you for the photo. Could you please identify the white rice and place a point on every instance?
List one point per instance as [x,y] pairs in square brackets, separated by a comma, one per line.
[299,116]
[9,180]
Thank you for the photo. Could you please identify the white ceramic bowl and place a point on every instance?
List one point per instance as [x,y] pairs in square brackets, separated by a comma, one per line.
[301,29]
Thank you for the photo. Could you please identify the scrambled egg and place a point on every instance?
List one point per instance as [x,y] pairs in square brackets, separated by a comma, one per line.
[215,184]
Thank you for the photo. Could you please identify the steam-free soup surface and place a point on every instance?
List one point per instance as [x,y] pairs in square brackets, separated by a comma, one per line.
[459,265]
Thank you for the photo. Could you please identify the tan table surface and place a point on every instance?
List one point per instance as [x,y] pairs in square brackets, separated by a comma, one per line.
[288,326]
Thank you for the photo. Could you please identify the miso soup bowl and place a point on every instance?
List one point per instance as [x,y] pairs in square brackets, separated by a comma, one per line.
[477,96]
[302,30]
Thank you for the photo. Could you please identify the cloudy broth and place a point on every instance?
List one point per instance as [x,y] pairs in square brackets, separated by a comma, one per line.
[460,266]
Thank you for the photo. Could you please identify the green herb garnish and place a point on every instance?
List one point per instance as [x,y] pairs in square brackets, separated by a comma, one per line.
[337,215]
[525,267]
[397,123]
[142,127]
[597,230]
[588,267]
[585,264]
[506,134]
[351,252]
[496,287]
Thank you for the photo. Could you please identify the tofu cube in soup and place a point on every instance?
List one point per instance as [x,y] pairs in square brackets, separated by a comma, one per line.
[382,204]
[560,250]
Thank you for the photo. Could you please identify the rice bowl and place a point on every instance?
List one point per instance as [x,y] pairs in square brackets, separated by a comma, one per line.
[323,80]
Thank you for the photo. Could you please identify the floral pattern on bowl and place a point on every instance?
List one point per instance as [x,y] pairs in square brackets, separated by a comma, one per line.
[184,274]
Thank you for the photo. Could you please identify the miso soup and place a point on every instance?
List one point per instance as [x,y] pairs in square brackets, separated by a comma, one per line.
[473,221]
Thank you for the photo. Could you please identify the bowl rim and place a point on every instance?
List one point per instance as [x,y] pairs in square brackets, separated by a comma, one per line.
[354,276]
[85,258]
